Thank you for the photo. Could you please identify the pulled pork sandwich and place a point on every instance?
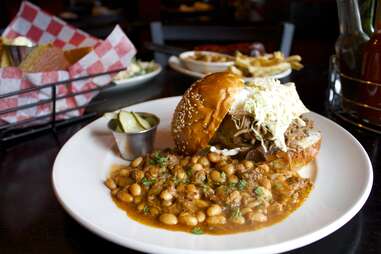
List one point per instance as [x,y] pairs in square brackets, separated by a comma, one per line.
[262,121]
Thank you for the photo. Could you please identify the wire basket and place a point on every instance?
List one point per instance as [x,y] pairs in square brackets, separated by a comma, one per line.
[50,121]
[353,100]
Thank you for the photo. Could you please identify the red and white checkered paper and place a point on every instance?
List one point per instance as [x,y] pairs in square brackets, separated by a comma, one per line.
[114,53]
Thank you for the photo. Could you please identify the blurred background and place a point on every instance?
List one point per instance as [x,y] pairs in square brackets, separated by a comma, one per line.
[316,24]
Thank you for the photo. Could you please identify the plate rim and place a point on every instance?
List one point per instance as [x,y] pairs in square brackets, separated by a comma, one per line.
[147,76]
[274,248]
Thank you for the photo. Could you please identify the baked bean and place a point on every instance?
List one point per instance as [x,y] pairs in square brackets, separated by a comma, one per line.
[215,176]
[214,157]
[201,203]
[265,183]
[140,207]
[214,220]
[248,164]
[168,219]
[166,203]
[264,167]
[228,169]
[240,167]
[137,175]
[154,211]
[238,220]
[256,217]
[246,210]
[115,191]
[136,163]
[195,159]
[214,210]
[125,197]
[137,199]
[121,181]
[166,195]
[110,184]
[233,179]
[124,172]
[188,219]
[135,189]
[184,162]
[204,161]
[197,167]
[200,216]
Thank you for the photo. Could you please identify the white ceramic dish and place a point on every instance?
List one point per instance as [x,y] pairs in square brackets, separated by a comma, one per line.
[175,63]
[136,80]
[84,163]
[204,67]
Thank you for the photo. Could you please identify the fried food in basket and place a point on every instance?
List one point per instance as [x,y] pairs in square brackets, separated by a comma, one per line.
[45,58]
[74,55]
[266,65]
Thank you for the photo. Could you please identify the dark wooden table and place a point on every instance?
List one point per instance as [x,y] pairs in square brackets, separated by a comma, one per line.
[32,220]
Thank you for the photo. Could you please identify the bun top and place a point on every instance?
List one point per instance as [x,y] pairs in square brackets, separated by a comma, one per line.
[202,109]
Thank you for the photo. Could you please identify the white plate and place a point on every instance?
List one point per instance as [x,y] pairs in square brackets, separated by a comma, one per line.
[342,185]
[136,80]
[175,64]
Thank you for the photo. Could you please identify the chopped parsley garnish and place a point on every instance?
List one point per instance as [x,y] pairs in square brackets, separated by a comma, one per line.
[197,231]
[241,184]
[236,212]
[148,182]
[146,210]
[259,191]
[158,159]
[232,185]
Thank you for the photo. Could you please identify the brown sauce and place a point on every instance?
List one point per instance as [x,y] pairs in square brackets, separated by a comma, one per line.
[273,215]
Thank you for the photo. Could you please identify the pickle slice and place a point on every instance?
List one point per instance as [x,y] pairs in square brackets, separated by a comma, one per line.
[141,121]
[129,122]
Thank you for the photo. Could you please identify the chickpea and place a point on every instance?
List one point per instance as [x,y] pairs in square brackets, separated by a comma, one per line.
[154,211]
[240,167]
[136,163]
[214,157]
[201,203]
[135,189]
[204,161]
[200,216]
[137,175]
[125,197]
[233,179]
[214,210]
[265,183]
[110,184]
[264,167]
[124,172]
[197,167]
[228,169]
[166,203]
[215,176]
[213,220]
[140,207]
[166,195]
[238,220]
[168,219]
[195,159]
[181,175]
[137,199]
[184,162]
[246,210]
[256,217]
[248,164]
[187,219]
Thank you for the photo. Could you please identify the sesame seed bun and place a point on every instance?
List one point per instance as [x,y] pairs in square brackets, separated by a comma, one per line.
[202,109]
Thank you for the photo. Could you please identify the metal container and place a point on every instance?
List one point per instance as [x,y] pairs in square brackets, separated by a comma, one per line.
[17,54]
[132,145]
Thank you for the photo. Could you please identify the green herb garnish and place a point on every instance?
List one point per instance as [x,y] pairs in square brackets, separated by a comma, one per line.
[236,212]
[259,191]
[158,159]
[189,171]
[241,184]
[148,182]
[197,231]
[146,210]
